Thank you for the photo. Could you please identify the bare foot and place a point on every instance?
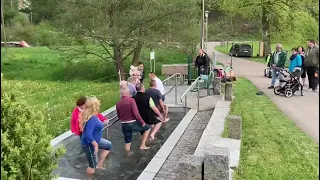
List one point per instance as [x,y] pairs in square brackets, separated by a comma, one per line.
[167,119]
[101,168]
[151,138]
[129,153]
[144,147]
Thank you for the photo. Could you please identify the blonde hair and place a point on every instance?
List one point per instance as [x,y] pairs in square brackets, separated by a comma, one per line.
[92,108]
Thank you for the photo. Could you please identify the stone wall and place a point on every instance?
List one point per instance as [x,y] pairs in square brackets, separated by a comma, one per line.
[170,69]
[216,155]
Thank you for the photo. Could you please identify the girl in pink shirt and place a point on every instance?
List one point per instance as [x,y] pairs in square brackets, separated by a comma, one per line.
[75,125]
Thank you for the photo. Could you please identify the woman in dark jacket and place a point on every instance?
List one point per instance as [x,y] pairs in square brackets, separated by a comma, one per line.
[303,75]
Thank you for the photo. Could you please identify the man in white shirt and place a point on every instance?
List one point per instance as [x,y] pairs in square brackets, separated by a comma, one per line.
[160,87]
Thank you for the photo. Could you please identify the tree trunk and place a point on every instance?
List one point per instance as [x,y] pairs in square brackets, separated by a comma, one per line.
[265,32]
[137,54]
[231,23]
[119,61]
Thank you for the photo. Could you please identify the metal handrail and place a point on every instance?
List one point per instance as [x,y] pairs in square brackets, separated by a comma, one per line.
[177,76]
[184,95]
[189,89]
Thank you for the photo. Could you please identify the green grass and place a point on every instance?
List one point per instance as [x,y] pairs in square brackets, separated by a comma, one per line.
[255,44]
[51,83]
[272,146]
[56,100]
[42,63]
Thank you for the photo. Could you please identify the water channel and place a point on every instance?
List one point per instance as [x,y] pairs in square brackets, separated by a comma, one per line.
[119,166]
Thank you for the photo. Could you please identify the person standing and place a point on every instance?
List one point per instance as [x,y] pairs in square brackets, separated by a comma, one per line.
[91,140]
[75,122]
[278,60]
[202,62]
[141,69]
[156,97]
[311,63]
[131,86]
[131,120]
[148,110]
[160,86]
[303,75]
[295,65]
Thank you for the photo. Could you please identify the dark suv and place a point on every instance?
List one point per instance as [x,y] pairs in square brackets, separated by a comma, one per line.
[241,50]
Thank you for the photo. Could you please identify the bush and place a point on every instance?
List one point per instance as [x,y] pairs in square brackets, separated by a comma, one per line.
[26,152]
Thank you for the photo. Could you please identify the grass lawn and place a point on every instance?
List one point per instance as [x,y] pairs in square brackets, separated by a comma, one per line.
[51,83]
[272,146]
[255,44]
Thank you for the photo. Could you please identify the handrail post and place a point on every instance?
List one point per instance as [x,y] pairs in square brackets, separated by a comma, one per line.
[185,104]
[198,86]
[176,91]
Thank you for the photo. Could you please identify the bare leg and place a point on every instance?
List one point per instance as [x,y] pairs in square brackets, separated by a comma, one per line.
[127,147]
[102,157]
[155,130]
[90,171]
[166,111]
[144,139]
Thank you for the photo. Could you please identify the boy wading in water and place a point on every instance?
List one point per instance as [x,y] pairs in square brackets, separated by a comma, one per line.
[157,99]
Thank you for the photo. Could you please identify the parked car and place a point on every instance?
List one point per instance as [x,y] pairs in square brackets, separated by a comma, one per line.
[241,50]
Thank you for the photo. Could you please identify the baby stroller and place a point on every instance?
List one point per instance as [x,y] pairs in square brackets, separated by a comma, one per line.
[292,85]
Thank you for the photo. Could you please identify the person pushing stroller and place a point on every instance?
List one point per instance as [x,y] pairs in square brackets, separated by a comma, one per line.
[295,70]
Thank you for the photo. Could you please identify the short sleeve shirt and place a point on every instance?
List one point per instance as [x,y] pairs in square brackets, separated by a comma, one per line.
[151,103]
[155,95]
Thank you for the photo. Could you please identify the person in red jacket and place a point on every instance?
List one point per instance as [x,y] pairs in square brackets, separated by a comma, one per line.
[75,125]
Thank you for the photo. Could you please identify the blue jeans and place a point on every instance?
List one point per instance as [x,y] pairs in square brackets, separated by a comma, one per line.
[89,151]
[274,77]
[128,128]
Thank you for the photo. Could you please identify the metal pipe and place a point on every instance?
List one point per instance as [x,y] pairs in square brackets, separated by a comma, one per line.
[202,24]
[198,96]
[176,91]
[206,34]
[185,104]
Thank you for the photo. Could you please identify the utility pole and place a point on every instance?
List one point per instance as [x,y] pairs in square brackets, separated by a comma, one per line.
[207,15]
[4,29]
[202,25]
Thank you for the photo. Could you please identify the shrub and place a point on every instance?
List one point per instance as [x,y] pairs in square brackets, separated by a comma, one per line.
[26,152]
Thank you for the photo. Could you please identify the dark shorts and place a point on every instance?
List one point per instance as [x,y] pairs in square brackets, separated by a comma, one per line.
[89,151]
[128,128]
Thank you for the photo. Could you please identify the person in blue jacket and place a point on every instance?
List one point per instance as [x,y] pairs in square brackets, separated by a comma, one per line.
[91,140]
[295,66]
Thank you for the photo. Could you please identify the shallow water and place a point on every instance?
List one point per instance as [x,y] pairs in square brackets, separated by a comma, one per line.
[118,165]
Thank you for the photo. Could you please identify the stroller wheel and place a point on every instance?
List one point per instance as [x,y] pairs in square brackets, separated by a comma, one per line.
[277,90]
[302,93]
[288,93]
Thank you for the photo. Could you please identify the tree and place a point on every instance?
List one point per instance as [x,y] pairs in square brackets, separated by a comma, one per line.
[276,17]
[26,151]
[122,28]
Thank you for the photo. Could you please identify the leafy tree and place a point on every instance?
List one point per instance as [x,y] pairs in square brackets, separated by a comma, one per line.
[122,28]
[26,152]
[277,17]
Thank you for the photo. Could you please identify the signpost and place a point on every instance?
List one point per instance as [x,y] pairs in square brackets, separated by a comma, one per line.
[152,58]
